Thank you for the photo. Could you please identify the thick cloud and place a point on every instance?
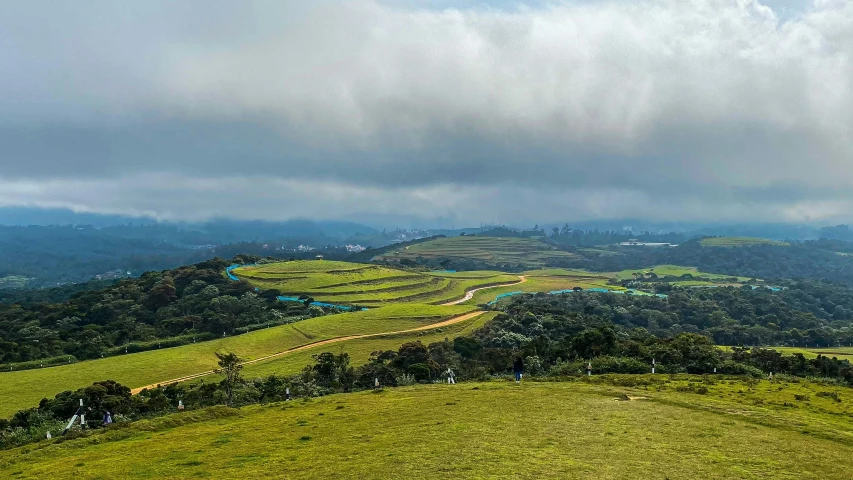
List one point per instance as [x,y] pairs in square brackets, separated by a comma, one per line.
[687,110]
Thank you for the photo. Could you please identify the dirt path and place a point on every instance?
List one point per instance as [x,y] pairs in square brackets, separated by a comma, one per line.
[470,293]
[449,321]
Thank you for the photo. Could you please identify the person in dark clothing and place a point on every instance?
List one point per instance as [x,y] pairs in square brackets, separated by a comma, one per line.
[518,369]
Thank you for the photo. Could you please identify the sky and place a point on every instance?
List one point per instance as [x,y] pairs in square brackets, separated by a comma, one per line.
[443,111]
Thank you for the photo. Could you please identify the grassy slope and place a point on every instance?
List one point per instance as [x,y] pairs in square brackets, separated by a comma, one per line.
[523,251]
[842,353]
[492,430]
[359,350]
[25,388]
[677,271]
[738,242]
[546,281]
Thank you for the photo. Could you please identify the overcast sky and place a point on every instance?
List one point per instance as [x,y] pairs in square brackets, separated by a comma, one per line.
[689,110]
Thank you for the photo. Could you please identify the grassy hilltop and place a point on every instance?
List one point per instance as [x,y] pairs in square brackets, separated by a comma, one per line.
[495,250]
[738,242]
[654,427]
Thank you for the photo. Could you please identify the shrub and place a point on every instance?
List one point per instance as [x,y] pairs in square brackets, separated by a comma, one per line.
[731,367]
[420,371]
[406,379]
[832,395]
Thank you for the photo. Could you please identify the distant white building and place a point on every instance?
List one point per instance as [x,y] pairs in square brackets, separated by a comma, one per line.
[634,243]
[304,248]
[355,248]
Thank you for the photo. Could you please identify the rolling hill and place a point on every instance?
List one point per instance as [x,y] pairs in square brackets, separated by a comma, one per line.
[528,252]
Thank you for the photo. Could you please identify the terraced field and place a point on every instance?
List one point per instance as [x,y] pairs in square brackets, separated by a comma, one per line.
[366,285]
[738,242]
[497,250]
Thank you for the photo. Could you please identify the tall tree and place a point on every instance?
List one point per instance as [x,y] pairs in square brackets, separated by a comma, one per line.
[230,366]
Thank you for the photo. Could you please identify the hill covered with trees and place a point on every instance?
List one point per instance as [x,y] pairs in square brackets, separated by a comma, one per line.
[158,309]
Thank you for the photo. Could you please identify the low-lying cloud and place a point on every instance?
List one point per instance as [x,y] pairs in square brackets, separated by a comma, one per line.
[680,110]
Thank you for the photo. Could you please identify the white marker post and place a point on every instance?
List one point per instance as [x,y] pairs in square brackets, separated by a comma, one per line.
[77,414]
[376,382]
[653,365]
[589,368]
[715,369]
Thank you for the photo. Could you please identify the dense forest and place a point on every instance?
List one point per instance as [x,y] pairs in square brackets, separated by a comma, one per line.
[804,314]
[165,308]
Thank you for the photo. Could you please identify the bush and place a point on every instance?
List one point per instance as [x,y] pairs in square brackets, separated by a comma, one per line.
[731,367]
[832,395]
[420,371]
[619,365]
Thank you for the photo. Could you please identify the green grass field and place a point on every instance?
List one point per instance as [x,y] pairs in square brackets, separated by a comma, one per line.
[650,427]
[22,389]
[547,280]
[677,271]
[524,251]
[738,242]
[842,353]
[368,285]
[14,281]
[359,350]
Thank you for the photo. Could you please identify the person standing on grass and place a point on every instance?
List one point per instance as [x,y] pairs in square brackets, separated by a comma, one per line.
[108,419]
[518,369]
[450,376]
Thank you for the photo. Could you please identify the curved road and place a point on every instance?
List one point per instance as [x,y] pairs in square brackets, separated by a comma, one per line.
[470,293]
[460,318]
[450,321]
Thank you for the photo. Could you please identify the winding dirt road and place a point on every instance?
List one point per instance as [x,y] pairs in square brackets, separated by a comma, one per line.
[449,321]
[470,293]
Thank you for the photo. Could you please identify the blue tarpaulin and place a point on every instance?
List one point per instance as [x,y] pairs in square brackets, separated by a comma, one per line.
[319,304]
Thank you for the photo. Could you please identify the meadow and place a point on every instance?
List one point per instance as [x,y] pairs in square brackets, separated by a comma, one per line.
[366,285]
[842,353]
[547,280]
[602,427]
[22,389]
[498,250]
[738,242]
